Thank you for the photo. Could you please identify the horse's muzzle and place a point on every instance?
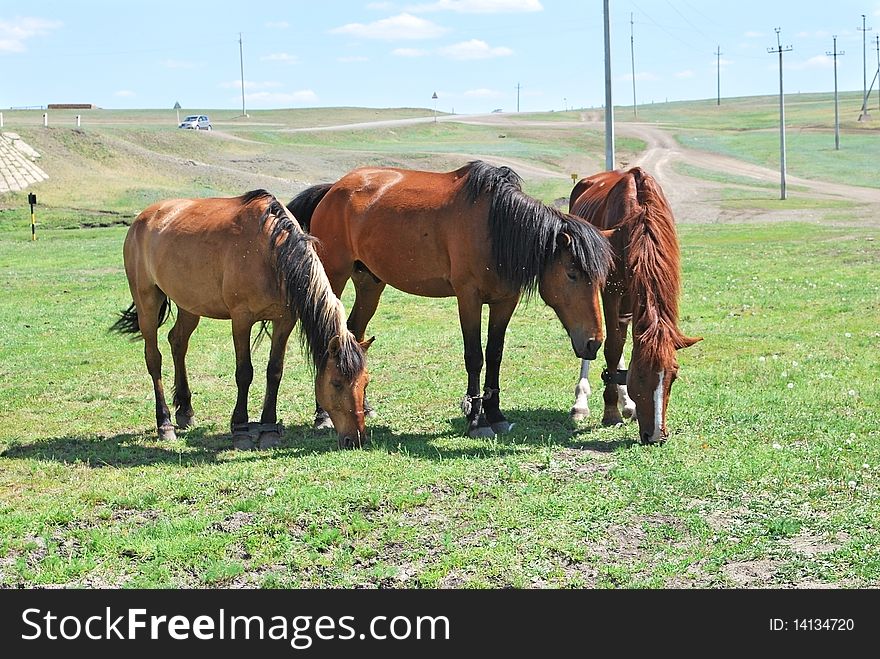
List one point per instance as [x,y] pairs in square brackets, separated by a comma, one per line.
[591,350]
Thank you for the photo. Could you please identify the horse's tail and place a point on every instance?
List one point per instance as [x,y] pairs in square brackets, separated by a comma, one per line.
[303,205]
[127,323]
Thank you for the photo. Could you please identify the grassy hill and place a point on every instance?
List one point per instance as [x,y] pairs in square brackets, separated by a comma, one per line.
[119,161]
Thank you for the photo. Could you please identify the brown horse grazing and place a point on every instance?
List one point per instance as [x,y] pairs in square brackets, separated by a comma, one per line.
[642,288]
[240,258]
[471,233]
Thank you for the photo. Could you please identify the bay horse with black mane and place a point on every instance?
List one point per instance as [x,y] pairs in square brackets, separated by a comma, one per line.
[471,233]
[643,288]
[245,259]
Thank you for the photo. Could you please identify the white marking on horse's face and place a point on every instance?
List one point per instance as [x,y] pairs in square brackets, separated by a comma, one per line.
[658,408]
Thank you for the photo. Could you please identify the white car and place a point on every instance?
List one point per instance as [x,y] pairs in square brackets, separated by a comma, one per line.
[196,122]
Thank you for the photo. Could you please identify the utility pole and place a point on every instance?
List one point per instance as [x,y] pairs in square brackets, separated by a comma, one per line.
[718,55]
[517,97]
[609,107]
[836,54]
[779,49]
[864,114]
[632,56]
[877,41]
[241,62]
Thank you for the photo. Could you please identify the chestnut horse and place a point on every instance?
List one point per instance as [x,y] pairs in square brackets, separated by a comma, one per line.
[642,288]
[472,234]
[240,258]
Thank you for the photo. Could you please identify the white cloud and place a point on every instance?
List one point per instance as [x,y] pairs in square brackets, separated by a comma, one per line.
[284,58]
[473,49]
[352,58]
[124,93]
[402,26]
[275,99]
[817,62]
[409,52]
[14,34]
[482,93]
[685,74]
[481,6]
[277,25]
[644,76]
[251,84]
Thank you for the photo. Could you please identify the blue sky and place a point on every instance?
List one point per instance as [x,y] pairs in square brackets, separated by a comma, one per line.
[472,53]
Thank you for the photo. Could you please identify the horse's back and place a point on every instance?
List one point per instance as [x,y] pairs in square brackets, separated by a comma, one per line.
[205,254]
[408,227]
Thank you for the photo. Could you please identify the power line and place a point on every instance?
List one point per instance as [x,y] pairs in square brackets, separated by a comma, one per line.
[779,49]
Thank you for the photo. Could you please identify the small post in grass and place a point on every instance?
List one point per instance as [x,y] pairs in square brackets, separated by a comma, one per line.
[32,200]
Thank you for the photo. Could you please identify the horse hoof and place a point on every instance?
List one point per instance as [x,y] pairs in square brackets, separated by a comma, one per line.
[166,433]
[349,443]
[612,421]
[501,427]
[184,420]
[481,431]
[629,412]
[323,422]
[579,413]
[243,443]
[270,440]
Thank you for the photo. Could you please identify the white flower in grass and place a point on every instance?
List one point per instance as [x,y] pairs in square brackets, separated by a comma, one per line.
[848,335]
[852,485]
[762,359]
[790,385]
[269,492]
[866,466]
[777,446]
[851,392]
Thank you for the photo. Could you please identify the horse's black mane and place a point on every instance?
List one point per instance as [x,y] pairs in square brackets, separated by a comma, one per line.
[306,287]
[524,231]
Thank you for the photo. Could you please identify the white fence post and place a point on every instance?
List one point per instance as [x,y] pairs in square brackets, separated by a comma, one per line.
[77,120]
[46,119]
[1,120]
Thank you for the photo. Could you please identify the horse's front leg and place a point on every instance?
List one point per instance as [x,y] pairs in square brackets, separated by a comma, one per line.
[581,408]
[469,308]
[270,431]
[242,436]
[499,318]
[617,318]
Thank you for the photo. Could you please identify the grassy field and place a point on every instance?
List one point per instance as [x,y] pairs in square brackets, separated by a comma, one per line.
[770,477]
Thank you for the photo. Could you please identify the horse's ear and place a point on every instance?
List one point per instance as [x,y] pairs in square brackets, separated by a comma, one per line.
[333,347]
[563,240]
[366,344]
[687,341]
[608,233]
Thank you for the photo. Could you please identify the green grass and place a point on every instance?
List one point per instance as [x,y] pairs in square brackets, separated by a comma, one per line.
[773,420]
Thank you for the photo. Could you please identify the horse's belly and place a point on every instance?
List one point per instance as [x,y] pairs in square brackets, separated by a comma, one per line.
[425,287]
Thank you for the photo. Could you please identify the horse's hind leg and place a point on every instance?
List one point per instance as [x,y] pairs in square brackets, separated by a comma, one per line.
[178,337]
[148,304]
[499,318]
[270,432]
[244,375]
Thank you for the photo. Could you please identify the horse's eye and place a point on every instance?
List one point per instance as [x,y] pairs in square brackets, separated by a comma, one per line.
[572,275]
[337,385]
